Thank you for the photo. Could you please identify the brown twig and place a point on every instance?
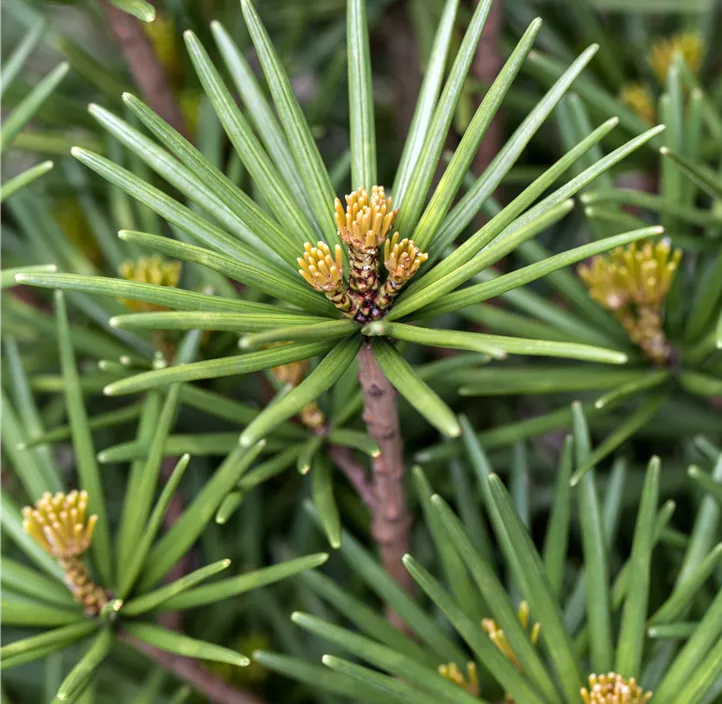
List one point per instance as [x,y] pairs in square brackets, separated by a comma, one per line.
[391,520]
[355,473]
[145,67]
[217,690]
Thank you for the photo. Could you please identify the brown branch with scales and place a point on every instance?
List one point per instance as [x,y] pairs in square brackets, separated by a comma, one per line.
[146,69]
[391,525]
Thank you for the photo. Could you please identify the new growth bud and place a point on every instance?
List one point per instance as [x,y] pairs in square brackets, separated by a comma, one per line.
[158,271]
[469,683]
[149,270]
[402,260]
[292,374]
[325,273]
[60,525]
[498,638]
[633,283]
[641,100]
[614,689]
[363,226]
[688,45]
[320,269]
[367,220]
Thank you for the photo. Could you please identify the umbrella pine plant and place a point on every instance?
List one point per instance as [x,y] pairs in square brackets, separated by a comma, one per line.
[244,283]
[344,305]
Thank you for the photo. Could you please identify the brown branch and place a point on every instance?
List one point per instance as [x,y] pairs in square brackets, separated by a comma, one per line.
[145,67]
[355,473]
[391,520]
[215,689]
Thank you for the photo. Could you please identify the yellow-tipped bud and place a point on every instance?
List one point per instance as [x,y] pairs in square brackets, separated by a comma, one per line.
[292,373]
[59,524]
[321,270]
[641,275]
[687,44]
[614,689]
[149,270]
[470,682]
[641,100]
[324,273]
[497,636]
[633,282]
[402,259]
[366,221]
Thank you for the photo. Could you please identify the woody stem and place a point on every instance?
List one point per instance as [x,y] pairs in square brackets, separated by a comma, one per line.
[391,526]
[145,67]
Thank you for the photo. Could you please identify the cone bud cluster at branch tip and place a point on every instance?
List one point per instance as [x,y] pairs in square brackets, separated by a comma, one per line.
[60,525]
[639,97]
[149,270]
[363,226]
[632,282]
[497,636]
[367,220]
[468,682]
[688,45]
[325,273]
[402,260]
[614,689]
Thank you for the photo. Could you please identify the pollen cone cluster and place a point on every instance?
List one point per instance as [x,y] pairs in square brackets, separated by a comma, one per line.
[363,226]
[158,271]
[60,525]
[469,683]
[687,44]
[614,689]
[639,97]
[292,374]
[325,273]
[149,270]
[402,260]
[497,637]
[633,283]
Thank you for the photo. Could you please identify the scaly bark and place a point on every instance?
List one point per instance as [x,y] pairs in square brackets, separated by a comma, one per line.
[145,67]
[391,525]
